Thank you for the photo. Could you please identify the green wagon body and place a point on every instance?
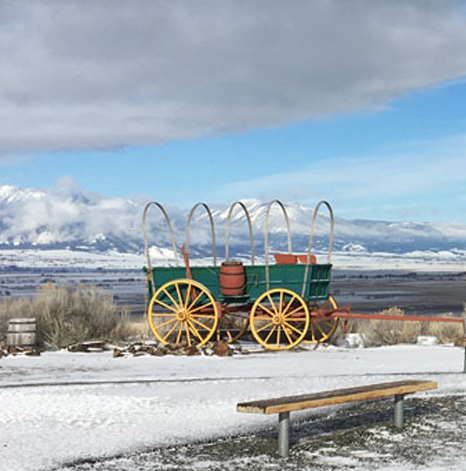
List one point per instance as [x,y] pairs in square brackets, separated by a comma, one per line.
[282,276]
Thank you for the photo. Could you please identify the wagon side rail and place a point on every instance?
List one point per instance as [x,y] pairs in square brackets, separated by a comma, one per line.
[146,243]
[227,232]
[311,240]
[212,227]
[266,240]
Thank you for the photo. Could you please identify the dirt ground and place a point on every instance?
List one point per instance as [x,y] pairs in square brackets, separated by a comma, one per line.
[358,437]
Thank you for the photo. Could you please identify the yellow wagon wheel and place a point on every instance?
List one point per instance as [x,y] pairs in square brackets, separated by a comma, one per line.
[183,311]
[279,319]
[232,326]
[322,328]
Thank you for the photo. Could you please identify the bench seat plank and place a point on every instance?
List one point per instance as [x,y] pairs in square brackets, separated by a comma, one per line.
[327,398]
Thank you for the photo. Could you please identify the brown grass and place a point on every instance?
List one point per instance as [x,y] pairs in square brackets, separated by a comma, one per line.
[66,316]
[391,332]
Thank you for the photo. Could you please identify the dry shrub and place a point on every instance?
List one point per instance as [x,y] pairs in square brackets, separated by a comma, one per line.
[66,316]
[139,331]
[391,332]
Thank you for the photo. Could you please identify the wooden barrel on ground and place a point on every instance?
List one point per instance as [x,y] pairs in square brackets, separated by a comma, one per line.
[232,278]
[21,332]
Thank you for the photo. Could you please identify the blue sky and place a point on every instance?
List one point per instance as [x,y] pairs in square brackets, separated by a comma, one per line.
[380,139]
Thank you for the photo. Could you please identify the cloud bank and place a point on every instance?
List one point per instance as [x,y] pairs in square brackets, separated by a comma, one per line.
[68,216]
[82,75]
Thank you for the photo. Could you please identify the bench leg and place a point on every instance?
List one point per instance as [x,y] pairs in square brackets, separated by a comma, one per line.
[399,410]
[284,434]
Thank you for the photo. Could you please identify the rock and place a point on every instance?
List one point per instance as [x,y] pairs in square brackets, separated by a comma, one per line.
[192,351]
[77,348]
[118,353]
[32,353]
[461,342]
[350,341]
[159,352]
[94,344]
[14,350]
[140,354]
[427,341]
[221,349]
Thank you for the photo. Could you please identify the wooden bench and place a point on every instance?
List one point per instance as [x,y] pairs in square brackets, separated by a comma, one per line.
[285,405]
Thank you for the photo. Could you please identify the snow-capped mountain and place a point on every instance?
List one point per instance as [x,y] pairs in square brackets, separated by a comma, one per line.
[68,217]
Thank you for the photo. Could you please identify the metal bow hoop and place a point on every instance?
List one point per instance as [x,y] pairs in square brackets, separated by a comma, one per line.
[146,244]
[212,227]
[227,232]
[266,242]
[311,239]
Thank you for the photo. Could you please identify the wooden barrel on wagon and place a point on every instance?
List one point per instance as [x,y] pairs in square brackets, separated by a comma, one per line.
[232,278]
[21,332]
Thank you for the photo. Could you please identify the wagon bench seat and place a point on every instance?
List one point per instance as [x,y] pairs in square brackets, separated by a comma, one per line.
[284,405]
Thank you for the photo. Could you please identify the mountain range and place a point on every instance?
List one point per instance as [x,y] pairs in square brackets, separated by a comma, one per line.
[68,217]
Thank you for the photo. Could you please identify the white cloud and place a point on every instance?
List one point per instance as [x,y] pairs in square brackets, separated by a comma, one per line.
[112,73]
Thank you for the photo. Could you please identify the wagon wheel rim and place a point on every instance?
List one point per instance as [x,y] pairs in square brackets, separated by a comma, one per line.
[231,327]
[279,319]
[183,311]
[322,329]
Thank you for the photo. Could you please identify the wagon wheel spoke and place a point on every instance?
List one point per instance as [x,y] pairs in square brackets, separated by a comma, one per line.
[313,332]
[279,331]
[264,327]
[272,304]
[285,329]
[188,335]
[290,303]
[203,316]
[194,330]
[171,299]
[266,310]
[196,299]
[300,308]
[166,306]
[293,328]
[164,324]
[187,297]
[263,318]
[201,324]
[161,314]
[180,297]
[170,331]
[270,334]
[192,311]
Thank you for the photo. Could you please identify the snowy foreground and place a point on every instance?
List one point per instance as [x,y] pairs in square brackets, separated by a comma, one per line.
[63,407]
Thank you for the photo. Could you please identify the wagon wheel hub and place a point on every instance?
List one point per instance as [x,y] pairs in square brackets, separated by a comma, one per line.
[278,319]
[182,316]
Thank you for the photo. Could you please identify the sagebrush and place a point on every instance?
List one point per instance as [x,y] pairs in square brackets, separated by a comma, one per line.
[391,332]
[69,315]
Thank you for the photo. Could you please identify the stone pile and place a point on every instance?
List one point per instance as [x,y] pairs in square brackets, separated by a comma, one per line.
[14,351]
[221,349]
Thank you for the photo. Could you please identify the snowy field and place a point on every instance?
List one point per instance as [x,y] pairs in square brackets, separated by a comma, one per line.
[62,408]
[419,261]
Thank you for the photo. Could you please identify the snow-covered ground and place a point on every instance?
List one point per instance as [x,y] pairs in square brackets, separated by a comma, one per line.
[419,261]
[63,407]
